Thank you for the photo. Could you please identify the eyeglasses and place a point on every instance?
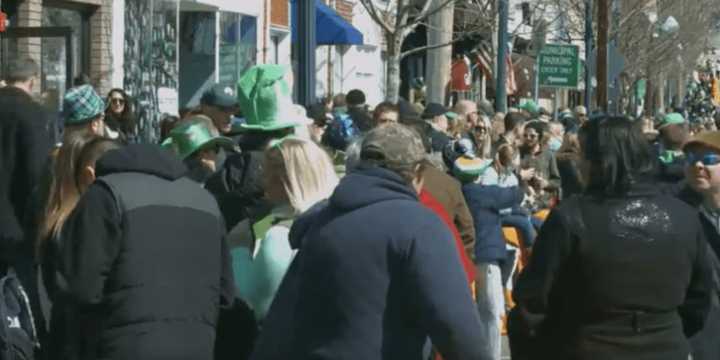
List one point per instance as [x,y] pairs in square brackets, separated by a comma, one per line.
[117,100]
[707,159]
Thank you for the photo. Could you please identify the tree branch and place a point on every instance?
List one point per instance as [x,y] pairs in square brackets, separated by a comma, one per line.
[426,12]
[436,46]
[370,7]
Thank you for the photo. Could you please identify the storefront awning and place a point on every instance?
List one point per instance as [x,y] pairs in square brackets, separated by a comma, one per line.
[331,28]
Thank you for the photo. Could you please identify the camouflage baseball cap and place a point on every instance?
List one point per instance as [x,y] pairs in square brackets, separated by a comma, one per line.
[394,146]
[81,105]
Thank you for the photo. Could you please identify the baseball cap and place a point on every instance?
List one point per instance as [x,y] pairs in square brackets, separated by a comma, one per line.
[710,139]
[671,119]
[434,109]
[220,95]
[394,145]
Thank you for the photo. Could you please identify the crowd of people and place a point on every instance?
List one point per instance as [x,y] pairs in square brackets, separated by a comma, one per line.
[258,229]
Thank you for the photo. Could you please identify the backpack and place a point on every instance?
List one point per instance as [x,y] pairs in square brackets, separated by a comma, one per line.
[18,338]
[341,132]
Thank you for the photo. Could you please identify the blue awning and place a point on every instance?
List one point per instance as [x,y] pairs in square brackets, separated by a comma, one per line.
[330,27]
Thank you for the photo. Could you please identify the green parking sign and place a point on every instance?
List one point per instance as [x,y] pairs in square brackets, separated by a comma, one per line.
[559,66]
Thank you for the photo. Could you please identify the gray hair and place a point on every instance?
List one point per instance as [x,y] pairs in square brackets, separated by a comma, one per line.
[21,70]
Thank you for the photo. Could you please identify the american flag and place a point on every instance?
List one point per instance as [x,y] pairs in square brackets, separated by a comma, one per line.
[483,60]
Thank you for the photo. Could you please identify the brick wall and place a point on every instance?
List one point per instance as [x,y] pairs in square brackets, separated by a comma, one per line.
[101,46]
[30,15]
[345,9]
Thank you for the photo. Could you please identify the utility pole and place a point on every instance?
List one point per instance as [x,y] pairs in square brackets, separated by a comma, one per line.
[305,49]
[588,52]
[602,47]
[500,81]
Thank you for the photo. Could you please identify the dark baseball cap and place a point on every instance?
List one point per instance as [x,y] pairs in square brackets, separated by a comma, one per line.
[434,109]
[220,95]
[394,145]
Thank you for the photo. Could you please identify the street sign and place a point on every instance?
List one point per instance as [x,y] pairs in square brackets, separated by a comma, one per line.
[559,66]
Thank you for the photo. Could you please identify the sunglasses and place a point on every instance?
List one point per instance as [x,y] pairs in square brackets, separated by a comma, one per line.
[707,159]
[117,100]
[481,129]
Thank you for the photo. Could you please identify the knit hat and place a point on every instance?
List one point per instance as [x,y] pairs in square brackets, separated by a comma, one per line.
[81,105]
[393,145]
[468,169]
[265,100]
[192,137]
[710,139]
[671,119]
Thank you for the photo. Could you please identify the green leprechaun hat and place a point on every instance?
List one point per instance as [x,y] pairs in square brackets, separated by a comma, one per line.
[189,138]
[265,100]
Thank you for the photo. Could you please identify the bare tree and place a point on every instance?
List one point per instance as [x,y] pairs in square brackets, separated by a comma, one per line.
[400,18]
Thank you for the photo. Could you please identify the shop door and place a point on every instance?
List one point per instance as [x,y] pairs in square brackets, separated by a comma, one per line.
[51,48]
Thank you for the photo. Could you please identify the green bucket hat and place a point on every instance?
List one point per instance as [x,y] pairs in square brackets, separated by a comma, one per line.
[530,106]
[264,98]
[192,137]
[671,119]
[82,104]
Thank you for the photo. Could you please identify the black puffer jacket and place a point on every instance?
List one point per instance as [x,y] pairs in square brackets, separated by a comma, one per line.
[145,260]
[614,278]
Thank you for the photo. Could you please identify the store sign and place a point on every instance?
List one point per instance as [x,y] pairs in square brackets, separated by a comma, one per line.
[168,100]
[559,66]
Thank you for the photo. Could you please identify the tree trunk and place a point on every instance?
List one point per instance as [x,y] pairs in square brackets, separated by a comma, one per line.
[392,80]
[439,60]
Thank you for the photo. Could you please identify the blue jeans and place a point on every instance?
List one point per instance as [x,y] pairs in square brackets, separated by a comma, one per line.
[491,306]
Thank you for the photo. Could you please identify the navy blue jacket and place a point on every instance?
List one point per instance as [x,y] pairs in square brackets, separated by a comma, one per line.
[375,275]
[485,203]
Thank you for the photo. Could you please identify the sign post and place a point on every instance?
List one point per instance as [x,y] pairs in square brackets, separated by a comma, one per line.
[559,66]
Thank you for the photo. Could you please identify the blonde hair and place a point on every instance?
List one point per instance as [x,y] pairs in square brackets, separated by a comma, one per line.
[65,190]
[484,150]
[304,170]
[63,194]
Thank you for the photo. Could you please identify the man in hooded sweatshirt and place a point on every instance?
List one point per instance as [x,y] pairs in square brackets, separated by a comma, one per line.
[145,259]
[376,273]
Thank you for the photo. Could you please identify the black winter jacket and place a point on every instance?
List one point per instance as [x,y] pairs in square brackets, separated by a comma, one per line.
[706,343]
[145,260]
[24,148]
[238,184]
[376,274]
[617,278]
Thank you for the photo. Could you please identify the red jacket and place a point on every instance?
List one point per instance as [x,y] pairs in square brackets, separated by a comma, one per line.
[430,202]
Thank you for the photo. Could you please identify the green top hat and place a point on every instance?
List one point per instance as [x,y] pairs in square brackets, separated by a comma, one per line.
[81,105]
[264,98]
[190,138]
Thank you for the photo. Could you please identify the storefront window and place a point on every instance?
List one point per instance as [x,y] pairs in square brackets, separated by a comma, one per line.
[238,45]
[57,17]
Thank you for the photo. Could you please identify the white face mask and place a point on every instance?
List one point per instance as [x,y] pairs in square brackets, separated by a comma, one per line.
[555,144]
